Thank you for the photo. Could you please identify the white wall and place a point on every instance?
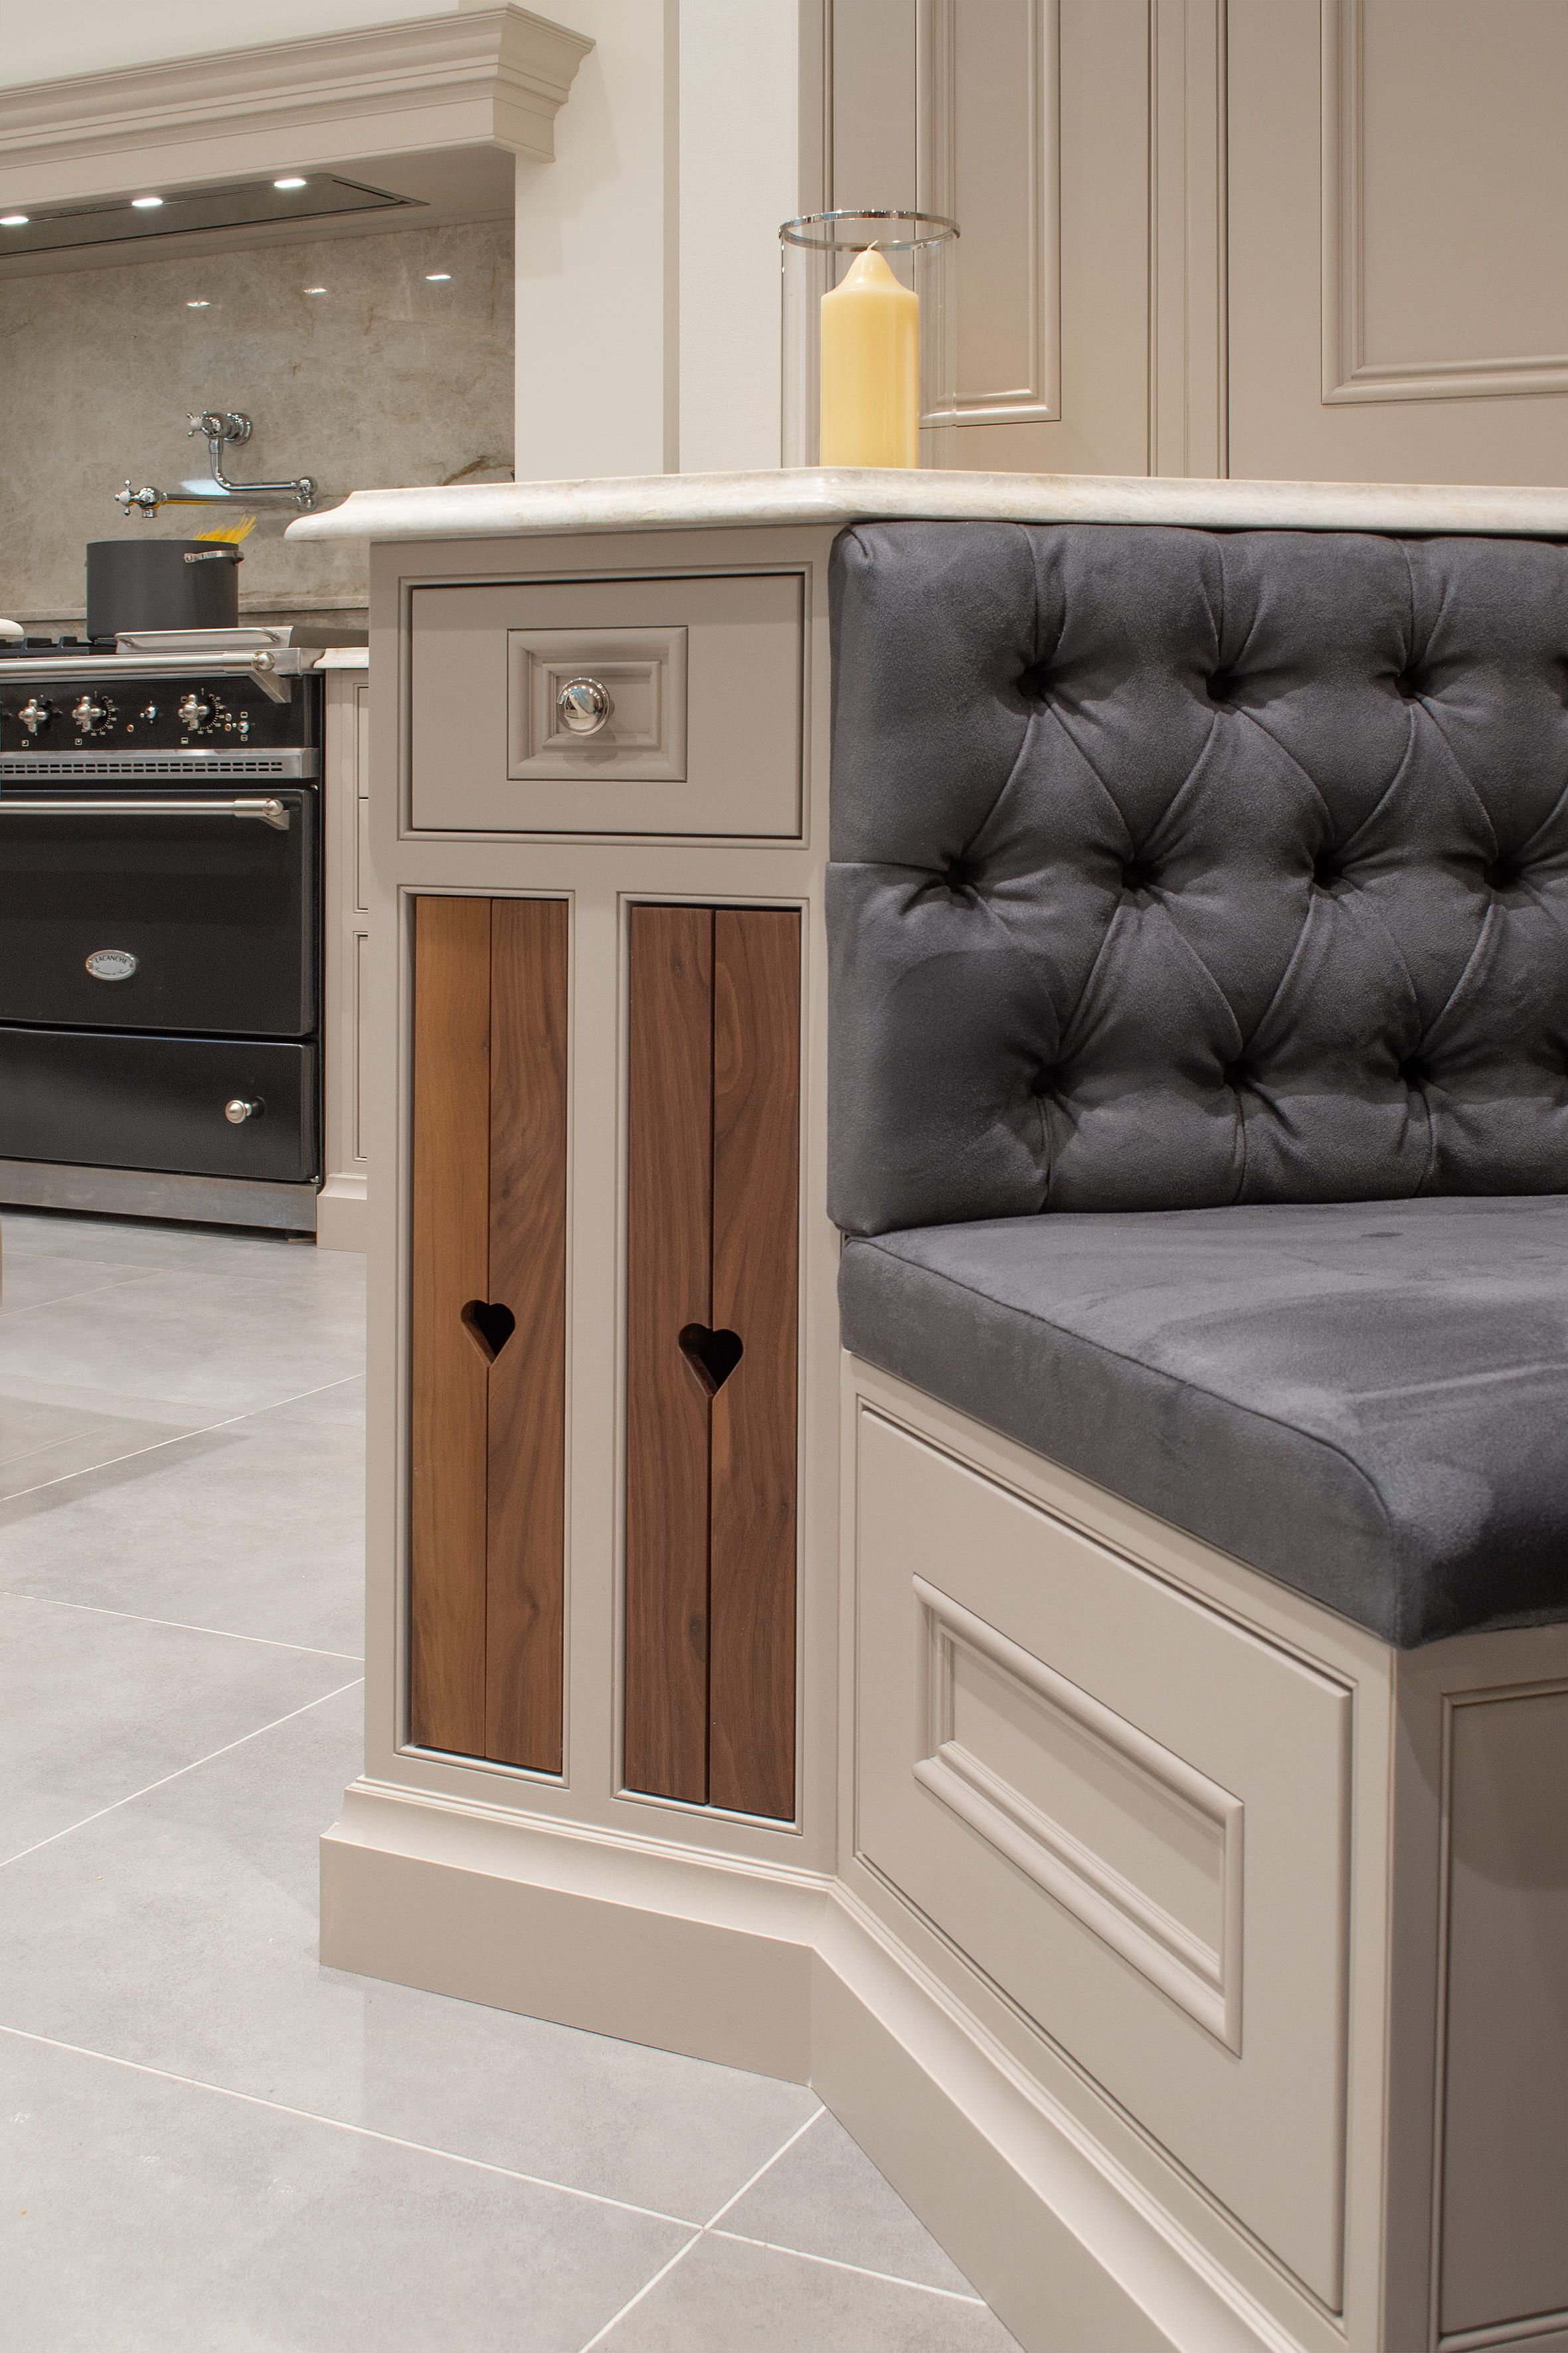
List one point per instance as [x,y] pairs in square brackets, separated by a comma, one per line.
[647,295]
[648,270]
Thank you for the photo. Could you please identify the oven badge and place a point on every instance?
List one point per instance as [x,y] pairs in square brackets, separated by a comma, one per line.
[112,964]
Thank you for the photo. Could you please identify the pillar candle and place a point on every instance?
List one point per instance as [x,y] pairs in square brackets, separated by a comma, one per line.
[870,368]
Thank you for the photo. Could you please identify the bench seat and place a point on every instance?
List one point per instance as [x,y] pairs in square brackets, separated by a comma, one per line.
[1367,1400]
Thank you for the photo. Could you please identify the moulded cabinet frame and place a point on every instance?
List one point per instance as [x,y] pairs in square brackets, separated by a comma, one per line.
[601,876]
[642,1798]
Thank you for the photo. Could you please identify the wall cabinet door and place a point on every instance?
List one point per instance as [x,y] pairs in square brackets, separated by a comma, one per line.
[712,1355]
[489,1328]
[1398,181]
[1028,122]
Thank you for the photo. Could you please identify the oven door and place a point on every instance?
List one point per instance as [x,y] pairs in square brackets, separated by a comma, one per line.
[127,909]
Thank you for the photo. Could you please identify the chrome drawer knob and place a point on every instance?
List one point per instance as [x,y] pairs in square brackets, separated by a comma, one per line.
[236,1111]
[584,706]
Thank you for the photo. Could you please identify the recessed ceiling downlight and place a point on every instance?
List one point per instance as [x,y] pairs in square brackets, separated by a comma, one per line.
[146,204]
[294,181]
[13,220]
[437,277]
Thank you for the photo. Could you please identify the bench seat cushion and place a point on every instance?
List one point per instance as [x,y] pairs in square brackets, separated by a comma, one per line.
[1368,1400]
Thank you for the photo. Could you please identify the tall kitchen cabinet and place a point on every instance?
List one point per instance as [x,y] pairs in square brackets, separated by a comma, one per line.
[603,1345]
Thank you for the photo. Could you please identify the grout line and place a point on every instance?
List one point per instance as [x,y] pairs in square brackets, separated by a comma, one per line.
[203,1429]
[361,2132]
[783,2150]
[60,1298]
[836,2264]
[179,1625]
[228,1748]
[647,2288]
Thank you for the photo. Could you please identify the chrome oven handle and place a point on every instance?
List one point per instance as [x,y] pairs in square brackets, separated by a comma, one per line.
[274,813]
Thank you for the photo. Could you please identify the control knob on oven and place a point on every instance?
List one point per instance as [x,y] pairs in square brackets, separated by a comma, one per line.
[89,717]
[35,714]
[195,714]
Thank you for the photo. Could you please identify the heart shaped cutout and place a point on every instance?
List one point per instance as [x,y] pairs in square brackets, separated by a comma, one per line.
[713,1355]
[489,1326]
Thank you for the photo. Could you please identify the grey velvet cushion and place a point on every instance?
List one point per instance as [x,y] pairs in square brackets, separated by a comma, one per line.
[1178,868]
[1370,1401]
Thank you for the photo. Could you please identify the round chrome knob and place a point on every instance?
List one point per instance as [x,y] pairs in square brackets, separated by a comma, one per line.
[89,717]
[194,712]
[584,706]
[236,1111]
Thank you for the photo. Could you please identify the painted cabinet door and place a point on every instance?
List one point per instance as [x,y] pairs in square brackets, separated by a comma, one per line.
[489,1328]
[712,1355]
[1028,122]
[1399,191]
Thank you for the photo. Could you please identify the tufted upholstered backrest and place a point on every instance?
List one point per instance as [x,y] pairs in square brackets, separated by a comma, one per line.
[1175,868]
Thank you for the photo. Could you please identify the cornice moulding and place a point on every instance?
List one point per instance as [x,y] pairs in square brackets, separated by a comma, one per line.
[492,77]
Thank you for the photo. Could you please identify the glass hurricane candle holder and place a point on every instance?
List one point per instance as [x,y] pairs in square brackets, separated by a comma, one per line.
[870,372]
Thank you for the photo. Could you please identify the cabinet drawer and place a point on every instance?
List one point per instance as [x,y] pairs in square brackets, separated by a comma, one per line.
[703,734]
[107,1100]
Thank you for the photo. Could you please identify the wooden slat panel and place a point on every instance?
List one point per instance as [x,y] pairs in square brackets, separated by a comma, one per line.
[450,1215]
[667,1280]
[527,1506]
[756,1164]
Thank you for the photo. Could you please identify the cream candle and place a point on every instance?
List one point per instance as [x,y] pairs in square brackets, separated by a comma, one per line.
[870,368]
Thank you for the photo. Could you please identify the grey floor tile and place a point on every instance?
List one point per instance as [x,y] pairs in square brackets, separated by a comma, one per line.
[146,2216]
[214,1343]
[141,1242]
[94,1707]
[87,1440]
[34,1279]
[181,1932]
[257,1527]
[825,2197]
[723,2296]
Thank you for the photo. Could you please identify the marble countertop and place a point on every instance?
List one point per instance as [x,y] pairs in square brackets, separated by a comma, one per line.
[837,495]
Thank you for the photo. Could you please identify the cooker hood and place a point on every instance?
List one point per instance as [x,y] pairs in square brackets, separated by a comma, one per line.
[233,204]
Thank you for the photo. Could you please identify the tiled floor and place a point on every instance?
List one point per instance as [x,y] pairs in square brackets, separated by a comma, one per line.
[209,2144]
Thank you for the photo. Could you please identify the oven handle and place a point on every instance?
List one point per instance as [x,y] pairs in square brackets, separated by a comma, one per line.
[274,813]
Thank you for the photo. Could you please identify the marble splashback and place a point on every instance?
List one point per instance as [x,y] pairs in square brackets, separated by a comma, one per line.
[386,375]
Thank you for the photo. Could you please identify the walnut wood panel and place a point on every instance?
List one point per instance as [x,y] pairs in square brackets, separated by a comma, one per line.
[756,1124]
[450,1215]
[526,1513]
[670,1146]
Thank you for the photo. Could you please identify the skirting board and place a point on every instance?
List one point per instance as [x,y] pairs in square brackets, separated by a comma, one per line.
[343,1214]
[785,1974]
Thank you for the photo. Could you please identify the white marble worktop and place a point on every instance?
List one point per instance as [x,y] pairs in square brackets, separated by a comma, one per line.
[845,494]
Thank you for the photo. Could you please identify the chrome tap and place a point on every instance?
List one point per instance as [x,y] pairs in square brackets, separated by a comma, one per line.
[231,425]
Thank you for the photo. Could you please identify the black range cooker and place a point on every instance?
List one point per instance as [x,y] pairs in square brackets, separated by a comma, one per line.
[160,923]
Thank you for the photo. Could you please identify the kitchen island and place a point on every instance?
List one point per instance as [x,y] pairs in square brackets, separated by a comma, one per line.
[735,1694]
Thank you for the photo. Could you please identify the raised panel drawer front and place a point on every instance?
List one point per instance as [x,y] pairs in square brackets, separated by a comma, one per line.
[702,733]
[1130,1811]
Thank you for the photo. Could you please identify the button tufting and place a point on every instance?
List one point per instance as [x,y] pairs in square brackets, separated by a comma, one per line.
[1035,683]
[1410,683]
[1415,1072]
[1221,686]
[1238,1074]
[1327,870]
[1501,874]
[1140,873]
